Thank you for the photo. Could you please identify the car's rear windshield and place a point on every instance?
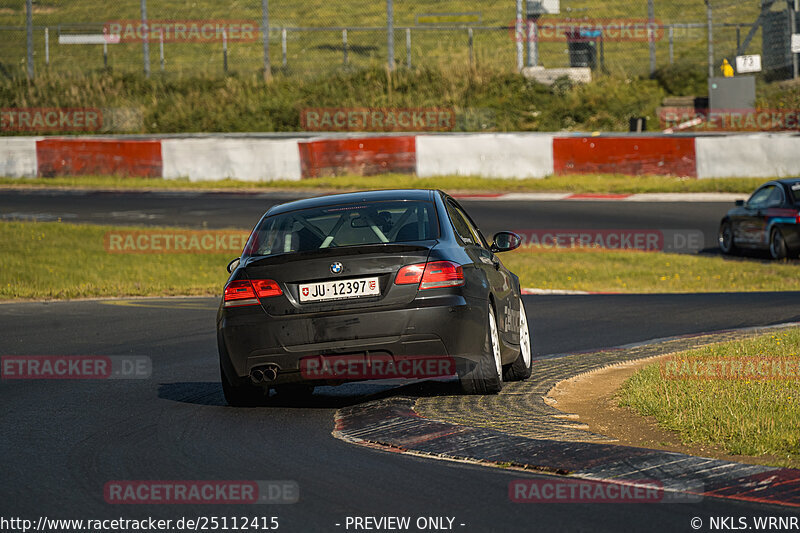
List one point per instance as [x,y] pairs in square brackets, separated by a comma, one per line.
[344,225]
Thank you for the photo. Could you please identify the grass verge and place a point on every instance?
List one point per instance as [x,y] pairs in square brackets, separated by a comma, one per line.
[630,271]
[59,261]
[593,183]
[746,417]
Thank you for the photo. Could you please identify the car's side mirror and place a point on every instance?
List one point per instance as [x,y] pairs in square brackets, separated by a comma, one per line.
[739,203]
[233,265]
[505,241]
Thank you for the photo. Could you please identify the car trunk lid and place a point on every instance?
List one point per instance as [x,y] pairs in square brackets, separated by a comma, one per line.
[373,263]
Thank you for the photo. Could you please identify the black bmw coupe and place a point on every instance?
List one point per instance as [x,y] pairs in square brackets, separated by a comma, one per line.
[769,220]
[370,285]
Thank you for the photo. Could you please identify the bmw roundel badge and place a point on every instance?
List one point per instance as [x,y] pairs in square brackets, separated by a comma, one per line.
[336,268]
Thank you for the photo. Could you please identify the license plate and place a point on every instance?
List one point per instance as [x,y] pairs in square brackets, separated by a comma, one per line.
[339,290]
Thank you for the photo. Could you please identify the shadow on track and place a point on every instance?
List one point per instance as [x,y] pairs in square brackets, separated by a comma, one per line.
[210,394]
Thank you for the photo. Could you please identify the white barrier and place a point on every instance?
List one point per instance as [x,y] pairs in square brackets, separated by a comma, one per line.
[745,156]
[18,157]
[502,155]
[241,159]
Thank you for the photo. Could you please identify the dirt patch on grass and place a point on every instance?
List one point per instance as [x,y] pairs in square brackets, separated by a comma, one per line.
[591,401]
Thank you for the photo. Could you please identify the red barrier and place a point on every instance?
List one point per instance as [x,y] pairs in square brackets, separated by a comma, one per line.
[362,157]
[74,157]
[625,155]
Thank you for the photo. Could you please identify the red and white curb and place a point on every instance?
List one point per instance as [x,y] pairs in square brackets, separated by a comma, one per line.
[492,155]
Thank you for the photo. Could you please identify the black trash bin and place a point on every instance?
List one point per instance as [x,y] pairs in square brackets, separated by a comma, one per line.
[582,46]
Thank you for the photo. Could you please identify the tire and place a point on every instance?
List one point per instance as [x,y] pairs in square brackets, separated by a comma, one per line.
[777,245]
[522,367]
[726,240]
[486,376]
[243,394]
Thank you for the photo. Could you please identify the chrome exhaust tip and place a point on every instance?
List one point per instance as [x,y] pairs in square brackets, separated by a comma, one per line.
[257,376]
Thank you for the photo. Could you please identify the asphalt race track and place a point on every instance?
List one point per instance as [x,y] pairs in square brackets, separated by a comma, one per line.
[62,441]
[240,210]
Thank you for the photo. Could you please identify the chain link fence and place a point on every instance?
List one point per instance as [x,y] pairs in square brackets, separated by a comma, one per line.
[312,37]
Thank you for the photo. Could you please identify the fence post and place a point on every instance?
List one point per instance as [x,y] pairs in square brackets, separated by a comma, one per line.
[47,46]
[29,24]
[651,34]
[470,47]
[390,32]
[283,47]
[161,49]
[225,51]
[671,44]
[408,47]
[793,22]
[265,34]
[145,40]
[710,21]
[105,55]
[344,46]
[518,34]
[532,39]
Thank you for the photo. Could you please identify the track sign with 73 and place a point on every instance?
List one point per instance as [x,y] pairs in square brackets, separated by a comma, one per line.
[745,64]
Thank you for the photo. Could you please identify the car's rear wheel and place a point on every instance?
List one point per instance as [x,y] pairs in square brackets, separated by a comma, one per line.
[521,368]
[777,245]
[241,394]
[485,376]
[726,241]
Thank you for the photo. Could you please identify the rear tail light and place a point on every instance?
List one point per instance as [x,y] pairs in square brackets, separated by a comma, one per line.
[432,275]
[246,292]
[797,220]
[266,288]
[442,274]
[410,275]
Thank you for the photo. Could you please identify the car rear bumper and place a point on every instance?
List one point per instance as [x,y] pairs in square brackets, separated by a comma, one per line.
[448,328]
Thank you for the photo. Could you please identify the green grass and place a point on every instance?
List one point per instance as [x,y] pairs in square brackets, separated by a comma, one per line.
[58,260]
[483,99]
[319,51]
[758,417]
[323,12]
[646,272]
[574,183]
